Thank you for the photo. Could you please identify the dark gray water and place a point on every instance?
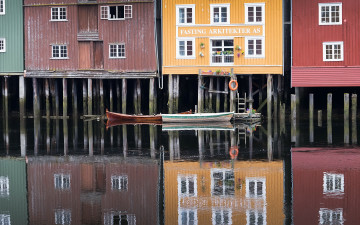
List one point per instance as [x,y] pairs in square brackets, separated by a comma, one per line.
[81,172]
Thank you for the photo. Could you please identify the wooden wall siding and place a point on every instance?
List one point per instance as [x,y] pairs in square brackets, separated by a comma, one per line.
[272,63]
[308,35]
[309,166]
[12,29]
[204,202]
[88,18]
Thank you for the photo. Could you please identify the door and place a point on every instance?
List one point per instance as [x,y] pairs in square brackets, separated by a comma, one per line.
[84,55]
[98,55]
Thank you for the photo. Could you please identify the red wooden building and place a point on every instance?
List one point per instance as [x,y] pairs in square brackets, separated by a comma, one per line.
[90,38]
[325,43]
[325,185]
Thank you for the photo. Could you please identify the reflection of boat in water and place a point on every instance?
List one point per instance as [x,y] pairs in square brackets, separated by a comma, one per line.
[112,123]
[197,126]
[197,117]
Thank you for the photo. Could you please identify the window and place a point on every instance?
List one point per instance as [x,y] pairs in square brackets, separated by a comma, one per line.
[333,183]
[187,185]
[221,216]
[333,51]
[2,7]
[329,216]
[2,45]
[222,51]
[185,14]
[255,188]
[330,13]
[255,13]
[62,181]
[120,12]
[113,217]
[255,217]
[185,48]
[119,183]
[59,52]
[254,47]
[116,51]
[58,14]
[5,219]
[220,14]
[4,186]
[222,182]
[187,217]
[63,216]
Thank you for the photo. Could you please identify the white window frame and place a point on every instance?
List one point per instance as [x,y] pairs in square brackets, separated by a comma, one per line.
[247,39]
[255,195]
[187,211]
[189,6]
[63,216]
[187,178]
[212,6]
[3,4]
[63,185]
[341,43]
[221,212]
[333,177]
[105,12]
[223,63]
[122,185]
[223,171]
[3,40]
[118,48]
[330,213]
[5,219]
[257,213]
[329,5]
[248,5]
[58,14]
[4,186]
[60,46]
[178,56]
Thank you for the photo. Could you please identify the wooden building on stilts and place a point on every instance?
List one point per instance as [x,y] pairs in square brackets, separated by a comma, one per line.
[105,48]
[211,43]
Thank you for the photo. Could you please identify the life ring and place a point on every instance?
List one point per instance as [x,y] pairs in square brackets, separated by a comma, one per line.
[236,85]
[234,151]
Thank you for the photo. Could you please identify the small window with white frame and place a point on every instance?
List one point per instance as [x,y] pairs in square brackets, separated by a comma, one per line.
[333,183]
[256,188]
[4,186]
[5,219]
[2,45]
[185,14]
[62,181]
[221,216]
[185,48]
[187,216]
[330,13]
[333,51]
[59,52]
[117,51]
[187,185]
[118,12]
[331,216]
[254,47]
[254,13]
[63,217]
[220,13]
[222,51]
[119,183]
[2,7]
[58,14]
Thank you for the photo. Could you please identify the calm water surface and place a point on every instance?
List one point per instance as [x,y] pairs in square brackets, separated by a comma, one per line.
[83,172]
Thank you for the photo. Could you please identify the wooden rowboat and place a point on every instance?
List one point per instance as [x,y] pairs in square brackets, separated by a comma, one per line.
[112,116]
[197,117]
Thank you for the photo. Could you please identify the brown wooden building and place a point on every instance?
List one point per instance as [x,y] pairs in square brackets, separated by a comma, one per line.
[90,38]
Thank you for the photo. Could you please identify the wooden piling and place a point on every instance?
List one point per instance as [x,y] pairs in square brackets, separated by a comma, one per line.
[293,107]
[200,94]
[346,107]
[320,118]
[57,97]
[311,118]
[210,102]
[125,141]
[6,96]
[250,98]
[275,95]
[22,136]
[138,94]
[233,95]
[171,94]
[111,97]
[226,97]
[282,118]
[329,106]
[346,131]
[353,107]
[47,97]
[74,98]
[89,97]
[354,132]
[66,136]
[118,98]
[101,90]
[65,98]
[22,96]
[84,89]
[36,99]
[52,96]
[176,93]
[218,99]
[123,96]
[48,142]
[152,99]
[90,136]
[269,93]
[270,140]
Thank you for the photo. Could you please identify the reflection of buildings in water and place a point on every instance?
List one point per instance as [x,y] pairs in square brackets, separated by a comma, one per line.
[222,193]
[100,190]
[325,185]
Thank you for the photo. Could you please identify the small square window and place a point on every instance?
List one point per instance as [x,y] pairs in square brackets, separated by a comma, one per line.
[220,14]
[62,181]
[185,48]
[2,45]
[117,51]
[2,7]
[185,14]
[58,13]
[120,12]
[59,52]
[333,51]
[330,13]
[119,183]
[255,13]
[254,48]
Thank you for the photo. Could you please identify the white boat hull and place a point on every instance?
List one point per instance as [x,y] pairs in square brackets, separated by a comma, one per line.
[197,117]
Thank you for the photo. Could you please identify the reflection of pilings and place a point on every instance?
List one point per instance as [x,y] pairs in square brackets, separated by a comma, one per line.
[251,135]
[125,141]
[22,96]
[84,89]
[353,118]
[311,118]
[233,141]
[6,130]
[57,135]
[171,145]
[36,135]
[36,99]
[101,90]
[218,139]
[152,134]
[211,144]
[102,141]
[22,136]
[47,97]
[123,95]
[269,141]
[201,144]
[91,138]
[66,136]
[48,140]
[137,135]
[86,135]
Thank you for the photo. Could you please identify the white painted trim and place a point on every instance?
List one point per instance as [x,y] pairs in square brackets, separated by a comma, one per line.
[341,43]
[192,6]
[104,12]
[247,5]
[117,51]
[212,6]
[58,14]
[262,46]
[109,18]
[331,4]
[4,41]
[3,13]
[178,56]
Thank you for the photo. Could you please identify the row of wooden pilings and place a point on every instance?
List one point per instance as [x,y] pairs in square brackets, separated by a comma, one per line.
[329,115]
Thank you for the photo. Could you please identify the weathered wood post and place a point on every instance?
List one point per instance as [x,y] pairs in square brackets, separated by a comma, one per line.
[36,99]
[353,118]
[65,98]
[311,118]
[329,106]
[47,97]
[101,89]
[346,106]
[137,96]
[111,97]
[90,136]
[200,94]
[201,144]
[282,118]
[23,136]
[211,87]
[176,93]
[6,96]
[74,98]
[89,97]
[269,92]
[218,99]
[261,89]
[320,118]
[48,142]
[118,99]
[124,96]
[102,139]
[250,94]
[125,141]
[84,89]
[152,98]
[226,97]
[57,97]
[66,136]
[275,94]
[36,134]
[22,96]
[233,94]
[293,107]
[270,140]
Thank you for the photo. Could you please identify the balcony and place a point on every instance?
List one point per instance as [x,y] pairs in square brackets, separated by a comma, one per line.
[88,36]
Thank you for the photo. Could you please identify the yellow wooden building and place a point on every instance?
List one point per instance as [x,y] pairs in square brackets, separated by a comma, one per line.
[207,35]
[224,192]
